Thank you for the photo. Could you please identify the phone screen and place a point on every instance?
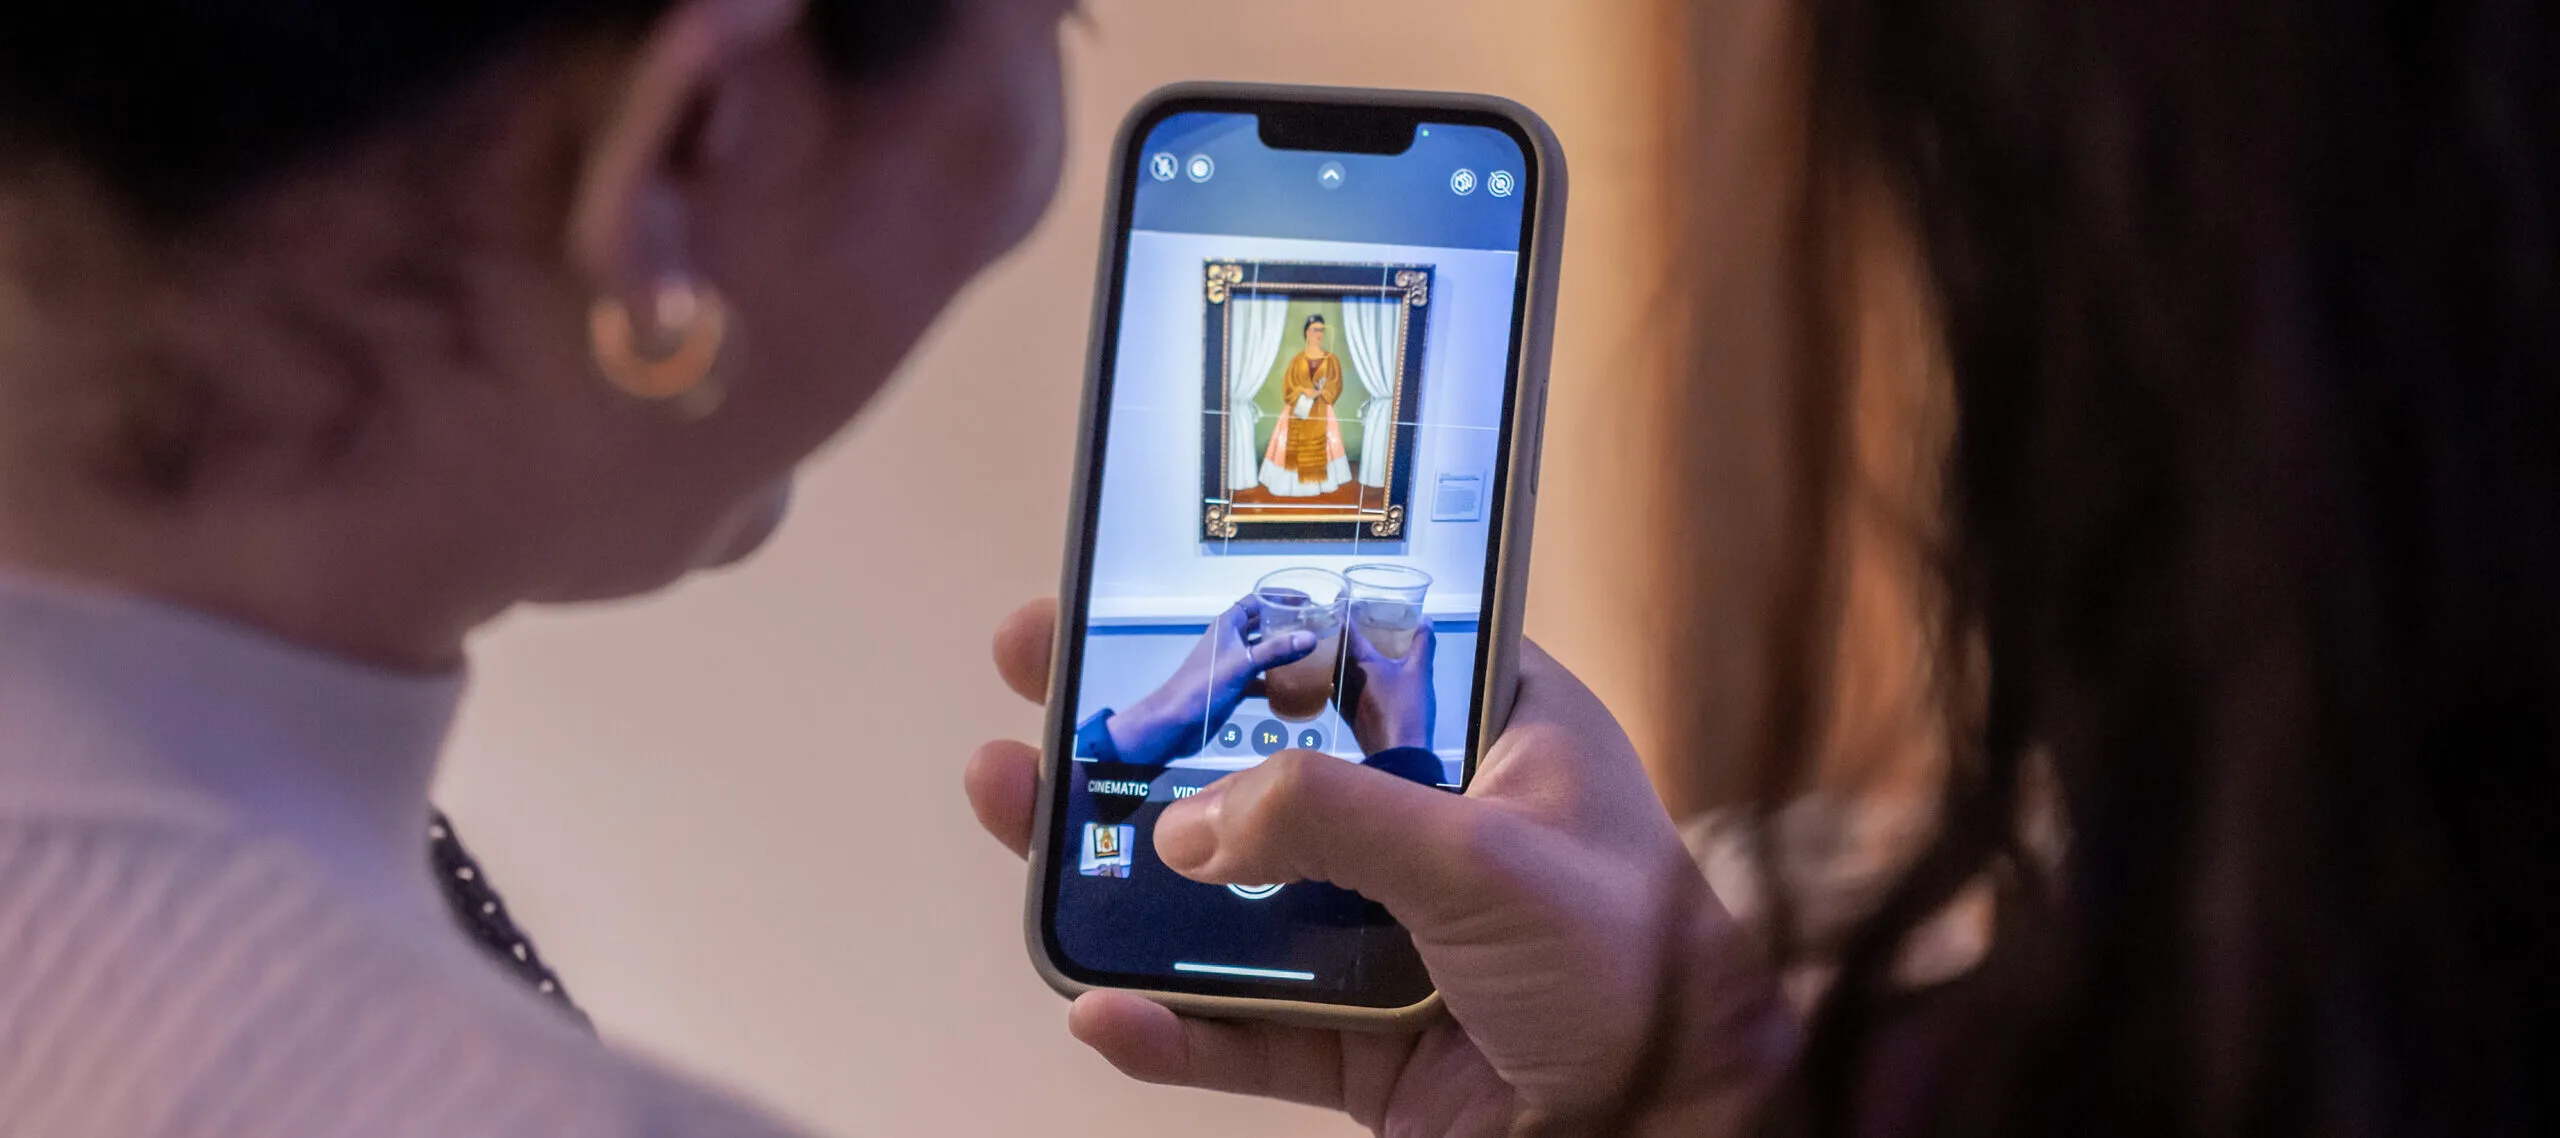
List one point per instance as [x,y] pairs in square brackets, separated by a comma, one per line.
[1291,523]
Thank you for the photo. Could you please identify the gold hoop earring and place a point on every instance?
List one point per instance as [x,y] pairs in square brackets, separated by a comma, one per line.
[679,364]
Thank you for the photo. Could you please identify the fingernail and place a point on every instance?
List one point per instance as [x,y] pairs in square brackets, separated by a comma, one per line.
[1187,831]
[1302,641]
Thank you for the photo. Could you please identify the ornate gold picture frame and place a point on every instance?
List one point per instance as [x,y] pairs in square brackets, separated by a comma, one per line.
[1313,392]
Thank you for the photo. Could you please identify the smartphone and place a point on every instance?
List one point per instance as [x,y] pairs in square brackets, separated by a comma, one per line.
[1300,517]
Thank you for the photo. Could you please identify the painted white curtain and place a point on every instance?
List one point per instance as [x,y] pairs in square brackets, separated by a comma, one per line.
[1255,326]
[1369,337]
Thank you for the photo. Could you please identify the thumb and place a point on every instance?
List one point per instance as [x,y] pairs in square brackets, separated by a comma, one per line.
[1424,853]
[1286,648]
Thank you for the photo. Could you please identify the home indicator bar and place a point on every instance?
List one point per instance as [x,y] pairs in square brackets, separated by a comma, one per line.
[1237,970]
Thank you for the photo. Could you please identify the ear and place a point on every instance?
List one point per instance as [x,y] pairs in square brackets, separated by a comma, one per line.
[631,225]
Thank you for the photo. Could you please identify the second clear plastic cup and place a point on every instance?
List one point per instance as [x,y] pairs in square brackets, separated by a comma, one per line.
[1386,604]
[1315,600]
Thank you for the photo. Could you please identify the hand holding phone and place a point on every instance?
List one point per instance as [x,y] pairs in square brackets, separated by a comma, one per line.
[1554,905]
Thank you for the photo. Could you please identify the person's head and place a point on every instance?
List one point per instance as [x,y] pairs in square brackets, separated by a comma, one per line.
[302,295]
[2252,314]
[1313,330]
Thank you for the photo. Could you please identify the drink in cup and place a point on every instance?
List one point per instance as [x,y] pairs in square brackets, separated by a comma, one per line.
[1386,604]
[1313,600]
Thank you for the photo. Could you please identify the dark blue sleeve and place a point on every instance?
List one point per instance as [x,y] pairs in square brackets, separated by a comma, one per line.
[1418,764]
[1093,738]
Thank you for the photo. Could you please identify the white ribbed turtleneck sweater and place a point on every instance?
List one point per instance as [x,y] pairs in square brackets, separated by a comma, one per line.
[216,917]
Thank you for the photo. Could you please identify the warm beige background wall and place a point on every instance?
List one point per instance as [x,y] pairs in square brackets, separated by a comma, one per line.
[732,815]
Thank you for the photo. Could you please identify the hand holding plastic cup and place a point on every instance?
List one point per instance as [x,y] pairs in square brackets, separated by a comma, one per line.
[1315,600]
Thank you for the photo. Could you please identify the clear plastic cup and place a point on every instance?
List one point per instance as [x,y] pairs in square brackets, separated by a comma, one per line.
[1386,605]
[1315,600]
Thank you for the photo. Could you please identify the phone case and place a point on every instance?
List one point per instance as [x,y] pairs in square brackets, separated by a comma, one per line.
[1502,623]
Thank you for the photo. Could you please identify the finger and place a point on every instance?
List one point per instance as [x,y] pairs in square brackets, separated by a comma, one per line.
[1237,618]
[1551,699]
[1248,606]
[1022,648]
[1149,1043]
[1287,648]
[1429,856]
[1003,780]
[1362,651]
[1366,650]
[1602,790]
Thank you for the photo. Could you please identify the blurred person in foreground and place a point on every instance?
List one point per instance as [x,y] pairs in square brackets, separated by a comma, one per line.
[328,333]
[2246,596]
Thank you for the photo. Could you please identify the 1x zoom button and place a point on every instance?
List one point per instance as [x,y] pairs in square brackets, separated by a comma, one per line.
[1270,738]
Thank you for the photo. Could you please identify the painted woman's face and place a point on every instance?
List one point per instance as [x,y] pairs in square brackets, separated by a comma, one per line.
[1315,337]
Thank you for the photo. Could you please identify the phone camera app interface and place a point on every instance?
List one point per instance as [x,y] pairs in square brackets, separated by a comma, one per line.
[1295,523]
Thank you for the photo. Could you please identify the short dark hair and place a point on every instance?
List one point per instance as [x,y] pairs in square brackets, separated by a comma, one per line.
[179,105]
[1312,321]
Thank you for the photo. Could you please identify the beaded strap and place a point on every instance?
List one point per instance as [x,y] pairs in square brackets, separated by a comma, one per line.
[483,916]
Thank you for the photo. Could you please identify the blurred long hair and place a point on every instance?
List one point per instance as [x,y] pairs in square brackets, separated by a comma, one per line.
[2247,531]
